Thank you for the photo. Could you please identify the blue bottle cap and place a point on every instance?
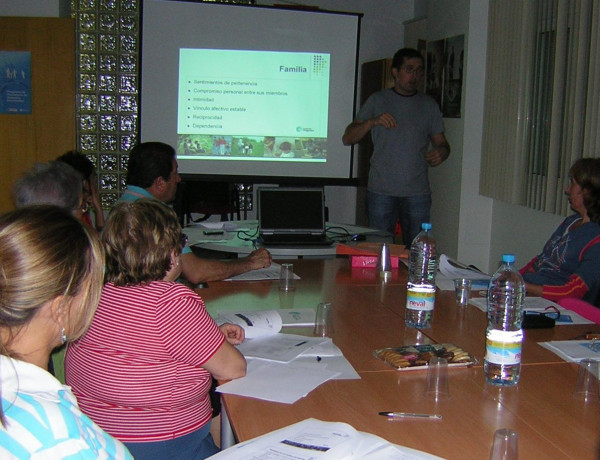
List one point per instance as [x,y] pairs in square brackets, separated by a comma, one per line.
[508,258]
[426,226]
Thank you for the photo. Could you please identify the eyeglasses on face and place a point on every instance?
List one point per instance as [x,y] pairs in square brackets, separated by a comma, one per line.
[410,70]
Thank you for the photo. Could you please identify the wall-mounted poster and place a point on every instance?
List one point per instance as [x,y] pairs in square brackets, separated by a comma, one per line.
[15,82]
[453,76]
[435,70]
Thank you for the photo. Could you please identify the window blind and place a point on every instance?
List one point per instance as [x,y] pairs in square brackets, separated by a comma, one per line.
[542,99]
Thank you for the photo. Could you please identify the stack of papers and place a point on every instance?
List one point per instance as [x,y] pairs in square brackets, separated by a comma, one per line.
[285,367]
[450,269]
[313,439]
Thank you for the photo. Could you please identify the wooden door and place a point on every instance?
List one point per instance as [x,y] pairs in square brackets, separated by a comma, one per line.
[49,130]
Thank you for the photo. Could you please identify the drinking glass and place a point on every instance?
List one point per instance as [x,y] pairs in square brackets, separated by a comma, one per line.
[324,320]
[286,277]
[505,445]
[462,287]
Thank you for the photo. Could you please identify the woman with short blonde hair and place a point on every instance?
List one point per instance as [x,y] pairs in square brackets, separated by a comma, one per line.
[51,270]
[140,242]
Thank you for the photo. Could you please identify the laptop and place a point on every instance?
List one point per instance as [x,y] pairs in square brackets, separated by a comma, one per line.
[291,216]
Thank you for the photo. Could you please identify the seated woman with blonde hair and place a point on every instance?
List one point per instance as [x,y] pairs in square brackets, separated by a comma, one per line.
[51,270]
[143,371]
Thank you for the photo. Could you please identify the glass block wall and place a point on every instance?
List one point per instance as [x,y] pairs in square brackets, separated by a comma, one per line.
[108,79]
[107,57]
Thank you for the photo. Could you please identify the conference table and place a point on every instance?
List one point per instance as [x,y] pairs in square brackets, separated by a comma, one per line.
[368,314]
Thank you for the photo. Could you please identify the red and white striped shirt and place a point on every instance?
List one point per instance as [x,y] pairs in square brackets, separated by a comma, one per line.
[137,371]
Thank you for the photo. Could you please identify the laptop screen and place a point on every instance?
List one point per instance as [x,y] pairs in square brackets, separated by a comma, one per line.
[291,210]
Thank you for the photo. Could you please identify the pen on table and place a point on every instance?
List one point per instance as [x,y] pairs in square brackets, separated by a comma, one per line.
[393,415]
[586,336]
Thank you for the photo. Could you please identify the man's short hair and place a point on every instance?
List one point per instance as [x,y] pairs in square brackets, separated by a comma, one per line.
[148,161]
[403,54]
[54,183]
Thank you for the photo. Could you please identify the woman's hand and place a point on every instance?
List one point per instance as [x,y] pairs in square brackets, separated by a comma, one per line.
[233,333]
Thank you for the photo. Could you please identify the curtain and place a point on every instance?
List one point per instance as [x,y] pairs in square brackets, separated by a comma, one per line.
[542,99]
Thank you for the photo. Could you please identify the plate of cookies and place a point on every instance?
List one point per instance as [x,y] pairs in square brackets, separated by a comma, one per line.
[413,357]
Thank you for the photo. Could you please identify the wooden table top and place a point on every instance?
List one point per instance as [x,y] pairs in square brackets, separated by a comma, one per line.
[369,315]
[470,417]
[465,327]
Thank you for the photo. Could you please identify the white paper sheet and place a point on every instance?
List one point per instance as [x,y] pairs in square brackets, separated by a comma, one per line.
[279,382]
[255,323]
[287,382]
[313,439]
[539,304]
[273,319]
[278,347]
[209,225]
[574,350]
[270,273]
[328,355]
[450,269]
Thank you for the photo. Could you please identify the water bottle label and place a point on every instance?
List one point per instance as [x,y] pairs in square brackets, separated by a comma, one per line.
[503,352]
[420,300]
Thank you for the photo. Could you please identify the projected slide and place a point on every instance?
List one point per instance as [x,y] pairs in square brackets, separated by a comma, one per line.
[253,105]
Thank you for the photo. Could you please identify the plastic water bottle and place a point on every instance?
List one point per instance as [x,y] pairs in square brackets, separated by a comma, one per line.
[504,336]
[422,267]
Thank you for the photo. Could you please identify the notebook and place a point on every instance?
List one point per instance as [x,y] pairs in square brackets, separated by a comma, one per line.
[292,216]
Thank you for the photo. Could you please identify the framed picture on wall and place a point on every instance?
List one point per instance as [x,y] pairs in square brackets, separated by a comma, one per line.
[453,76]
[435,70]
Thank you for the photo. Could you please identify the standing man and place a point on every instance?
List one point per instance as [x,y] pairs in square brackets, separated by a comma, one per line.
[152,173]
[403,124]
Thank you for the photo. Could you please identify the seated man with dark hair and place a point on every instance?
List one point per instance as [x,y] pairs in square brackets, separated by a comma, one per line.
[152,173]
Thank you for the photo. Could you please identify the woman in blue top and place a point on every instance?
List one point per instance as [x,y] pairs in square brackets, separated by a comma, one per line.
[568,266]
[51,271]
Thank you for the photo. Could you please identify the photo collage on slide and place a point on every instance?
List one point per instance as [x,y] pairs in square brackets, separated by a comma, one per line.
[252,148]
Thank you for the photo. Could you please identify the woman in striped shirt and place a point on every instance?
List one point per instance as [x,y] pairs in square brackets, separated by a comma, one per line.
[50,280]
[144,369]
